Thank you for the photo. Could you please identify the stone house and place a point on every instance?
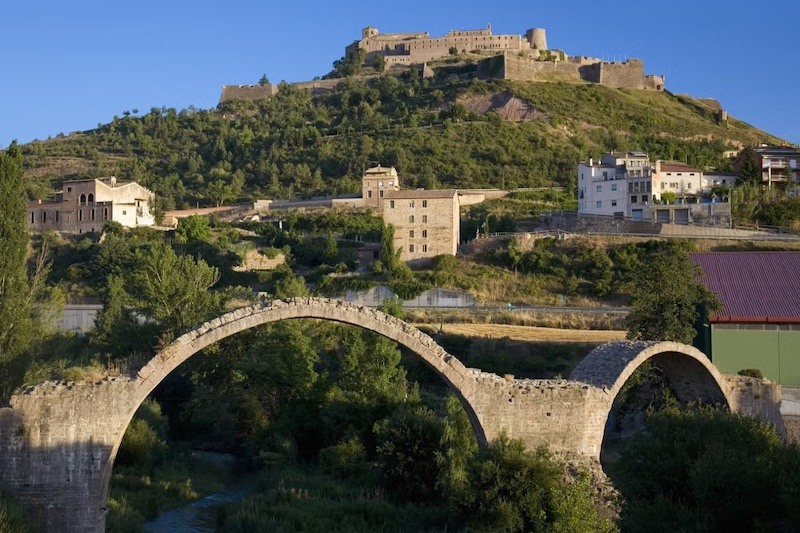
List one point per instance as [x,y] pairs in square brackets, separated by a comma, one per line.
[376,182]
[426,223]
[85,205]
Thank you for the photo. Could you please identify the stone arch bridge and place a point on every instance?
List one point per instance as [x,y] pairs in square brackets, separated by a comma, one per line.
[58,440]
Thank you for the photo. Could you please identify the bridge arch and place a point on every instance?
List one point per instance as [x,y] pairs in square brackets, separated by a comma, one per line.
[460,380]
[692,376]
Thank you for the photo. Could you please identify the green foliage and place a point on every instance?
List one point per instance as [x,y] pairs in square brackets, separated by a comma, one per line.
[296,500]
[393,306]
[193,228]
[408,447]
[511,489]
[458,447]
[707,470]
[173,290]
[668,299]
[15,305]
[751,372]
[144,443]
[13,518]
[750,170]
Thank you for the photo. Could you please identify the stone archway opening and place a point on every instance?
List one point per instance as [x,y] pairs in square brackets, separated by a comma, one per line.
[219,330]
[637,375]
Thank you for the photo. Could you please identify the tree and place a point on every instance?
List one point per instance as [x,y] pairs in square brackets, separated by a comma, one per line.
[264,80]
[704,469]
[749,172]
[174,290]
[15,311]
[379,63]
[193,228]
[511,489]
[668,298]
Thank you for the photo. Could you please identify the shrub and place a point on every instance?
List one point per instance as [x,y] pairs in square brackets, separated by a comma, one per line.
[751,372]
[13,518]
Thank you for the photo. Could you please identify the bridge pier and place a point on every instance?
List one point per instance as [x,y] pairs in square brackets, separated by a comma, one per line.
[58,441]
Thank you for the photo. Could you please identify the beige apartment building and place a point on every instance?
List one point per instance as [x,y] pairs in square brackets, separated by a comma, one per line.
[376,182]
[426,223]
[83,206]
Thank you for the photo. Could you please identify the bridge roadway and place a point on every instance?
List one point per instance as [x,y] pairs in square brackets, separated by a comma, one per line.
[58,440]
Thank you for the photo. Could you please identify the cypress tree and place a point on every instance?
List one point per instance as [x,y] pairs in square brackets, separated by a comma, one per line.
[15,314]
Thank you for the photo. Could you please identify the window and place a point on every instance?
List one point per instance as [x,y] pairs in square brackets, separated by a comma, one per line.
[613,203]
[411,234]
[605,174]
[424,219]
[69,189]
[599,204]
[380,184]
[80,214]
[391,184]
[91,198]
[424,203]
[598,188]
[82,199]
[92,214]
[633,199]
[105,213]
[56,216]
[411,248]
[124,212]
[44,216]
[613,186]
[411,203]
[424,247]
[32,215]
[644,198]
[411,219]
[424,234]
[381,194]
[369,194]
[391,204]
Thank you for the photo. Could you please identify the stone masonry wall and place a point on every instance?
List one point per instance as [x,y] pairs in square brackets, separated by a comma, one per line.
[56,442]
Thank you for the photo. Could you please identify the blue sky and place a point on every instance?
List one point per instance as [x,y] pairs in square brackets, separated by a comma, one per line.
[67,66]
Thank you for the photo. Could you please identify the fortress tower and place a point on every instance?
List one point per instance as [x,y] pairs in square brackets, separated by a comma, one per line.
[537,38]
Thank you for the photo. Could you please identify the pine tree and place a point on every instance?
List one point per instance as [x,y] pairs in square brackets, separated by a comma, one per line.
[750,172]
[15,313]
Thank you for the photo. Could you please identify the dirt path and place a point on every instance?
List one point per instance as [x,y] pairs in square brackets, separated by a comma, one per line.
[528,333]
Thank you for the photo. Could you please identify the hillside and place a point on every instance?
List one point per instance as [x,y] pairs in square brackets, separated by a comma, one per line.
[442,132]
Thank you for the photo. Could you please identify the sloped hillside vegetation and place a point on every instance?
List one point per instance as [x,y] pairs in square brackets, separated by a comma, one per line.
[299,145]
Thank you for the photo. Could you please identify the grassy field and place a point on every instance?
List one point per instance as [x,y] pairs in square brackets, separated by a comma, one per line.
[526,333]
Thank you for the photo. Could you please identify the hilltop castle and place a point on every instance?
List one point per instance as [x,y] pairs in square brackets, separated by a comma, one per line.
[510,57]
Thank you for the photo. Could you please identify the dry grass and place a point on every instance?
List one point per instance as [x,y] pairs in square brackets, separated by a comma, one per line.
[526,333]
[567,321]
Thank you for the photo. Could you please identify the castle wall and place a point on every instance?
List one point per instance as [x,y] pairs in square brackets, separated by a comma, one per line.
[627,75]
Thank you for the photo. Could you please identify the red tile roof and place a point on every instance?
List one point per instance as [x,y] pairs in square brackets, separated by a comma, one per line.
[754,287]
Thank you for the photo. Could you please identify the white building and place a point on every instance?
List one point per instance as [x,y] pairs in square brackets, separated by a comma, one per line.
[679,178]
[619,185]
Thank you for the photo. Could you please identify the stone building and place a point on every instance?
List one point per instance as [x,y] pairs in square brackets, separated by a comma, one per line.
[85,205]
[419,47]
[426,223]
[376,182]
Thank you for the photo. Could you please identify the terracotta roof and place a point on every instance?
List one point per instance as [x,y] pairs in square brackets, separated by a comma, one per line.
[669,166]
[413,194]
[754,287]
